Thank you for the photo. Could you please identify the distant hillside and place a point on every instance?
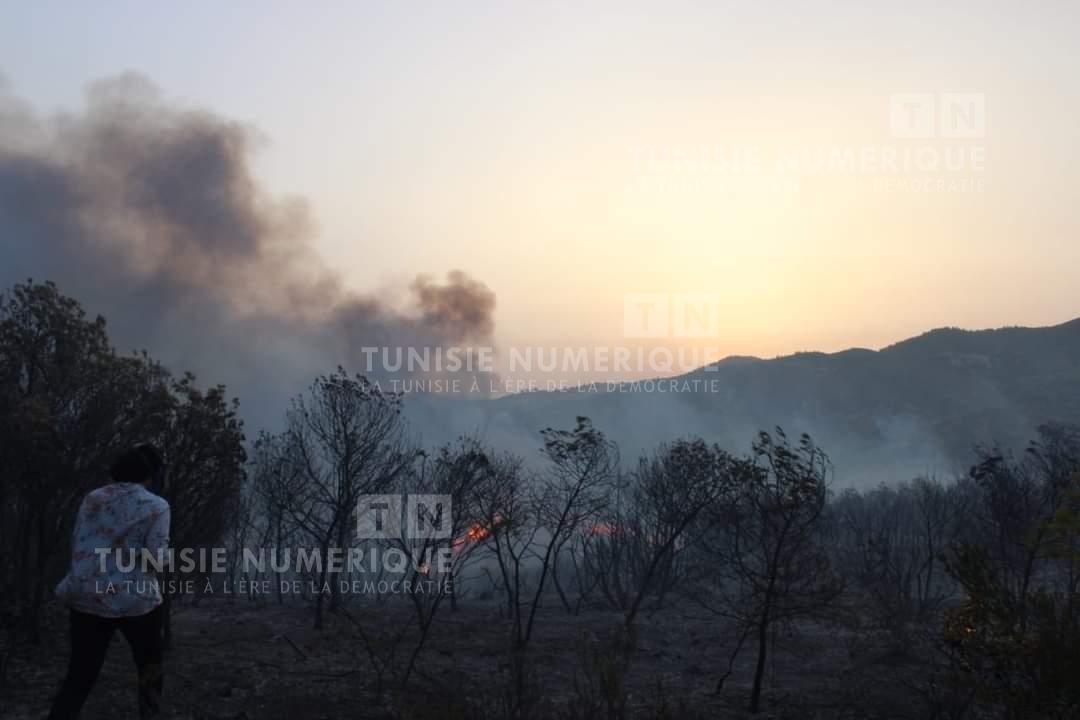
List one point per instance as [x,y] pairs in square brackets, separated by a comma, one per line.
[917,406]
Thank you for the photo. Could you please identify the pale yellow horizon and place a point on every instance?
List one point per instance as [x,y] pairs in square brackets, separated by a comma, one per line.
[568,157]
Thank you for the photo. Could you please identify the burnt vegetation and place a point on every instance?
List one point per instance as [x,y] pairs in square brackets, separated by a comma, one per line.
[695,581]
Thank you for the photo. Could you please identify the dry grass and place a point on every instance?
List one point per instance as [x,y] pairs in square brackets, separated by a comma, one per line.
[242,661]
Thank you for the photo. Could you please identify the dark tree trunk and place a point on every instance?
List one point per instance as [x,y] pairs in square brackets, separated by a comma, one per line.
[38,598]
[759,670]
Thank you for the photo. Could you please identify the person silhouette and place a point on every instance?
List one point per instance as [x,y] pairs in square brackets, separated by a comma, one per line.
[110,585]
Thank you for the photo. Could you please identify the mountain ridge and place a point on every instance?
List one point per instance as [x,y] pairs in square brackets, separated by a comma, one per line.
[913,407]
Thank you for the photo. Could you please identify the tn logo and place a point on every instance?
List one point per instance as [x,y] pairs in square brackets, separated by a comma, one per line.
[941,115]
[412,516]
[678,315]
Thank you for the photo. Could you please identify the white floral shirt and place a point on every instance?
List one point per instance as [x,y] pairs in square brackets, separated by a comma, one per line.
[123,518]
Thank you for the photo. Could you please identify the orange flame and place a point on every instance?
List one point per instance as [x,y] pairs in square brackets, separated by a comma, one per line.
[477,533]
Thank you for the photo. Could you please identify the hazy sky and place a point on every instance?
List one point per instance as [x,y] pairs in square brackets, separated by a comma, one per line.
[570,155]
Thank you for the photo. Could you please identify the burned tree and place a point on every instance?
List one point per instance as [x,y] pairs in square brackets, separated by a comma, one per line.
[637,550]
[203,442]
[674,493]
[764,558]
[69,404]
[888,542]
[344,438]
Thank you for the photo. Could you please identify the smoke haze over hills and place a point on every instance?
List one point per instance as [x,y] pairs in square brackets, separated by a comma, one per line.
[917,407]
[149,214]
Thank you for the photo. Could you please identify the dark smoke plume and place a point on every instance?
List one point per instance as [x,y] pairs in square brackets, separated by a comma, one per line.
[149,214]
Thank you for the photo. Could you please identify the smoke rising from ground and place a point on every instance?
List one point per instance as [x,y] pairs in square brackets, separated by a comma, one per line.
[148,213]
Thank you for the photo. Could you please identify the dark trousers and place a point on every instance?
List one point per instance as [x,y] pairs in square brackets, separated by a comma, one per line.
[90,636]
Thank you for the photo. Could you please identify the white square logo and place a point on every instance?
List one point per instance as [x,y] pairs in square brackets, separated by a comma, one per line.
[378,516]
[912,115]
[428,516]
[645,315]
[696,315]
[963,115]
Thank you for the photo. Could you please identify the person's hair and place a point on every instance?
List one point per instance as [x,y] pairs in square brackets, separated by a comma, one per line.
[137,465]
